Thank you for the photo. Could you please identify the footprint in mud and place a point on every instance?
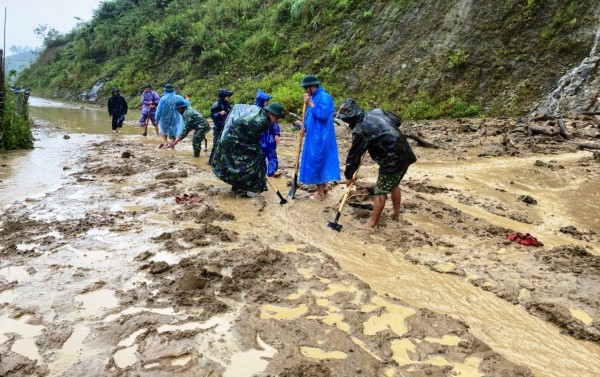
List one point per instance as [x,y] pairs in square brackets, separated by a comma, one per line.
[168,363]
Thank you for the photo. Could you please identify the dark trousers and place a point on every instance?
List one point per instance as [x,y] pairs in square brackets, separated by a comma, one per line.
[216,136]
[117,121]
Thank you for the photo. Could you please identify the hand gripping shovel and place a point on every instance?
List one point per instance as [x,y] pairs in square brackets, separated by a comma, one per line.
[335,225]
[282,200]
[292,192]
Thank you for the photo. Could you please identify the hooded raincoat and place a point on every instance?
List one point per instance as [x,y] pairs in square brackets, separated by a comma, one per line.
[320,162]
[170,121]
[268,145]
[377,132]
[238,159]
[149,110]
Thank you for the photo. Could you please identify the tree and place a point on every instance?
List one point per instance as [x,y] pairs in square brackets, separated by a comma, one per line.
[45,33]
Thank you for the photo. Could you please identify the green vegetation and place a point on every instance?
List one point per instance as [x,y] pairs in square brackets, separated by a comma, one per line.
[383,54]
[14,126]
[457,58]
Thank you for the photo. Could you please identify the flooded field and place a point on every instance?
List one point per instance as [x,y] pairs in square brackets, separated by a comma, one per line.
[103,273]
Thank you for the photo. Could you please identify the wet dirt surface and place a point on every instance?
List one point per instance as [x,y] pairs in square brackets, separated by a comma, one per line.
[109,275]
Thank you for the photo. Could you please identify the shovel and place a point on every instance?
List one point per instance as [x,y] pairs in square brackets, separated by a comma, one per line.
[282,200]
[292,192]
[335,225]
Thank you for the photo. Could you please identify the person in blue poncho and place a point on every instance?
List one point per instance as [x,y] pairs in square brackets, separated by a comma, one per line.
[320,163]
[269,140]
[168,118]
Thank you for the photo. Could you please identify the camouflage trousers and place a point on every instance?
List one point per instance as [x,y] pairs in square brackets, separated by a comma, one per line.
[199,135]
[387,182]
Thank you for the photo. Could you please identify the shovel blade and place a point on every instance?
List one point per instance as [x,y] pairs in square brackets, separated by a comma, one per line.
[282,200]
[335,226]
[292,192]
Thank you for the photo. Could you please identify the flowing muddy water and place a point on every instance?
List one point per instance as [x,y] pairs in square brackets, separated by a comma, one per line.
[101,268]
[508,329]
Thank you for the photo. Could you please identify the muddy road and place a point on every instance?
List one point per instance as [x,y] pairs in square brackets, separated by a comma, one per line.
[107,268]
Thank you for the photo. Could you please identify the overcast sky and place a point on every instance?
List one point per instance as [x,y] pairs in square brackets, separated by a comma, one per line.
[22,16]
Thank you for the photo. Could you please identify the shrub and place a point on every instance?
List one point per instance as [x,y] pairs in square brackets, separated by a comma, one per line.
[419,109]
[14,126]
[462,109]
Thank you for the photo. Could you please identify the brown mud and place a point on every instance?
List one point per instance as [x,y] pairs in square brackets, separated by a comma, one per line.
[109,275]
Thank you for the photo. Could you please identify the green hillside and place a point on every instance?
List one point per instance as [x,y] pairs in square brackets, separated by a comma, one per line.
[423,59]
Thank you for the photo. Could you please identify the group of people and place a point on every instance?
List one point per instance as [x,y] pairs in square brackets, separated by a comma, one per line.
[246,136]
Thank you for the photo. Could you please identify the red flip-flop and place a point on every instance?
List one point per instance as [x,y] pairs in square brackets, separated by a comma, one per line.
[188,198]
[524,239]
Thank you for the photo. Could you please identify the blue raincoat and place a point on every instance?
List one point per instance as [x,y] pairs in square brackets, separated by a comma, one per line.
[170,121]
[320,162]
[268,145]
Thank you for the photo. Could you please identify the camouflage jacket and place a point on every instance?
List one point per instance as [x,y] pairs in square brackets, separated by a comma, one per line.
[238,158]
[193,121]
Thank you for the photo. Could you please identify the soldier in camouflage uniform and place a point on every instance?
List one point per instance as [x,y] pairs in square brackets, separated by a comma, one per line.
[378,133]
[193,120]
[238,159]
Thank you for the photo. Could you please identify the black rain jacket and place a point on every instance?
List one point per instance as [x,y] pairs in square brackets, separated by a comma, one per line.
[377,131]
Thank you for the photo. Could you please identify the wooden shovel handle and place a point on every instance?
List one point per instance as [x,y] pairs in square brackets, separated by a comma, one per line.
[345,197]
[300,137]
[271,184]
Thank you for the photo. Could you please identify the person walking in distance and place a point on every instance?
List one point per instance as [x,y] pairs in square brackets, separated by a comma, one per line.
[117,108]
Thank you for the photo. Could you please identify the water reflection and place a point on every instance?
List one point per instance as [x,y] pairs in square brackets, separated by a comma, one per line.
[84,118]
[33,173]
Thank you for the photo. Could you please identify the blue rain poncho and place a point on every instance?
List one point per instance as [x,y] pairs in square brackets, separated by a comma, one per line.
[170,121]
[320,162]
[268,145]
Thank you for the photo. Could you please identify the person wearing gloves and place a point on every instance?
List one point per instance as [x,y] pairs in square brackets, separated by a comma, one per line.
[192,120]
[117,108]
[377,132]
[168,118]
[269,140]
[320,163]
